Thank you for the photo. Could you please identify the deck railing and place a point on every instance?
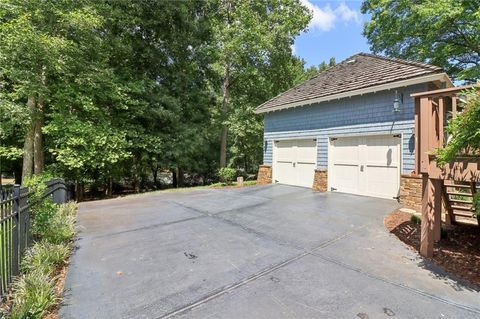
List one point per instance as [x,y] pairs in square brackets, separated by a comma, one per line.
[15,233]
[433,109]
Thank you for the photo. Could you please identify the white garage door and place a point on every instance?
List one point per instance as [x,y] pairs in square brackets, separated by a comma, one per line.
[365,165]
[295,162]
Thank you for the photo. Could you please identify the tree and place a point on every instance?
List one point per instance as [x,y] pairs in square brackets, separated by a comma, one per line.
[36,50]
[314,70]
[442,32]
[249,38]
[464,131]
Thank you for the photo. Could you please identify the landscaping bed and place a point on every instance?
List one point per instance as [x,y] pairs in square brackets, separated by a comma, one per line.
[458,252]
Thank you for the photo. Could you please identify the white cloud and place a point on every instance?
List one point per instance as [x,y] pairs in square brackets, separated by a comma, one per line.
[346,14]
[324,18]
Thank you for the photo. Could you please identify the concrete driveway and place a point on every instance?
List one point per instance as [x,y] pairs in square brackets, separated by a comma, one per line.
[258,252]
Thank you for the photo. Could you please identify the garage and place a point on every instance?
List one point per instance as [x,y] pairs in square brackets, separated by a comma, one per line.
[294,162]
[365,165]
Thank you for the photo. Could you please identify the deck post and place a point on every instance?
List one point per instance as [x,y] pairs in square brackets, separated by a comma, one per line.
[431,214]
[437,209]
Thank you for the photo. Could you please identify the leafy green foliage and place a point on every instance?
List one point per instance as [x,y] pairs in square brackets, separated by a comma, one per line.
[34,291]
[34,295]
[253,63]
[314,70]
[464,131]
[416,219]
[227,175]
[44,257]
[133,88]
[57,226]
[476,204]
[443,32]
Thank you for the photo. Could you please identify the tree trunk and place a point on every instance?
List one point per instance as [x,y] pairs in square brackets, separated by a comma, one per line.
[109,192]
[180,177]
[155,175]
[79,191]
[223,137]
[38,155]
[28,146]
[174,178]
[136,183]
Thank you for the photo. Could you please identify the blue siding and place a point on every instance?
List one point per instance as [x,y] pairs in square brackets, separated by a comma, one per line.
[358,115]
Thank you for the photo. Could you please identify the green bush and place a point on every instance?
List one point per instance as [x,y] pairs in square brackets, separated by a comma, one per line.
[53,227]
[37,185]
[42,214]
[45,257]
[34,295]
[60,225]
[416,219]
[476,204]
[464,131]
[227,175]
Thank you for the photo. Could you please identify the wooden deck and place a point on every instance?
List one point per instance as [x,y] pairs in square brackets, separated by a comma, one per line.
[441,183]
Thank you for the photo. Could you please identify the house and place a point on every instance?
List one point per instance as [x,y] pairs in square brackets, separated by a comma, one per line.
[350,128]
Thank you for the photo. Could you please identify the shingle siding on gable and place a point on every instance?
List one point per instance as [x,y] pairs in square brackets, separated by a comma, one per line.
[358,115]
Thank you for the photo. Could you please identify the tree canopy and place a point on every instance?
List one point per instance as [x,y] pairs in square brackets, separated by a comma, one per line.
[109,91]
[442,32]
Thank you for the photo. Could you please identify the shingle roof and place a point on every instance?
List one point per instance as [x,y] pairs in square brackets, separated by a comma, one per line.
[356,72]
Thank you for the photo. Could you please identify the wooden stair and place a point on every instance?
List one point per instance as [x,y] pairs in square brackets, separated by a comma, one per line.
[458,197]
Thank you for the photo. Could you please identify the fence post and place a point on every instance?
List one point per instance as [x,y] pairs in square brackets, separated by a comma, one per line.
[24,221]
[59,192]
[16,239]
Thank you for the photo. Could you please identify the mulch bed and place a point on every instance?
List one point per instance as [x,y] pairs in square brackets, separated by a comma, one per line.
[457,253]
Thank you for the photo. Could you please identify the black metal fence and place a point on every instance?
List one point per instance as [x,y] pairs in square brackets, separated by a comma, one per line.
[15,234]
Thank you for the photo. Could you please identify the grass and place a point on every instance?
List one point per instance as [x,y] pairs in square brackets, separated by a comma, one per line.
[214,185]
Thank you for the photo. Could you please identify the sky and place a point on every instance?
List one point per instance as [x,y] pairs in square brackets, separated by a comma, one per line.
[335,31]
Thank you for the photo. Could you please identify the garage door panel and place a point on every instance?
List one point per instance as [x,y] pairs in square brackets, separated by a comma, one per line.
[366,165]
[295,162]
[346,149]
[305,174]
[306,151]
[346,178]
[382,180]
[382,150]
[284,172]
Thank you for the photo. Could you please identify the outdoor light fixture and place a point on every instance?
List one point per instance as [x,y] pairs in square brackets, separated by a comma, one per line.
[397,102]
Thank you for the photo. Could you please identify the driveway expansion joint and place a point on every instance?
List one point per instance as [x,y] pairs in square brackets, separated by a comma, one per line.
[262,273]
[400,285]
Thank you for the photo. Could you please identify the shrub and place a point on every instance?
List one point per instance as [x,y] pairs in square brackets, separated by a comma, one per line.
[42,214]
[464,131]
[416,219]
[42,209]
[34,295]
[60,225]
[45,257]
[476,204]
[227,175]
[37,185]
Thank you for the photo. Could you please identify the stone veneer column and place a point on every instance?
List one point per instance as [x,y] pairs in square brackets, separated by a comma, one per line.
[264,175]
[320,180]
[411,191]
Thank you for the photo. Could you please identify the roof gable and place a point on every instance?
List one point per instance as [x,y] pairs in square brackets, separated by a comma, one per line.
[357,72]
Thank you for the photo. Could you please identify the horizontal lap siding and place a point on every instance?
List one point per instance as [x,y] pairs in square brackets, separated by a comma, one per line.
[359,115]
